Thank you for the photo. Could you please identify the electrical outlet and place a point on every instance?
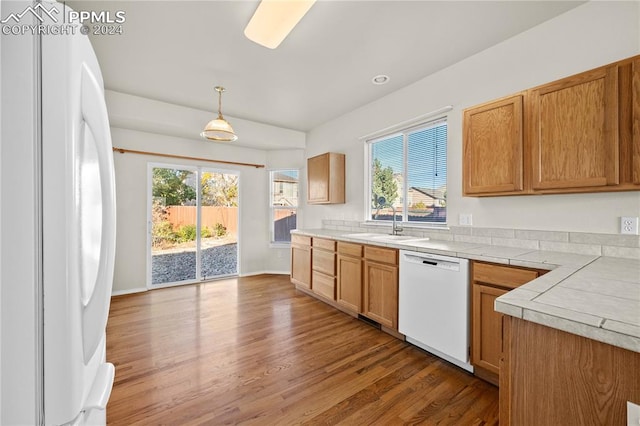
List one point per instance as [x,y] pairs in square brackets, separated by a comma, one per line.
[633,414]
[465,219]
[629,225]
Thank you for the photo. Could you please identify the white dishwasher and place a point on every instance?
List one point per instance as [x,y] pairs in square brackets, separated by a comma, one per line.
[433,305]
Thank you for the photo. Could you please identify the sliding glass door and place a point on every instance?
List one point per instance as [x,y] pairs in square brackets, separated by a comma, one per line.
[193,224]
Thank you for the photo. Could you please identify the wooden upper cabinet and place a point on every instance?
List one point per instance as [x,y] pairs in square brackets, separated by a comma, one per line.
[635,121]
[325,179]
[577,134]
[630,121]
[493,147]
[574,131]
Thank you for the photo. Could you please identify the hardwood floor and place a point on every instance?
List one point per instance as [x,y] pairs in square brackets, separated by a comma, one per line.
[256,351]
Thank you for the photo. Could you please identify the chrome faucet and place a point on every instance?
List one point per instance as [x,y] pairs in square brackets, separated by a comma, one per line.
[396,228]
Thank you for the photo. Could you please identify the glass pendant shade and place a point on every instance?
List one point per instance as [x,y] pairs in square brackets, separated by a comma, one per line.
[219,129]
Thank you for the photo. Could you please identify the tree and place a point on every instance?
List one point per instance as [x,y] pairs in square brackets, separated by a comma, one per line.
[383,184]
[172,186]
[219,189]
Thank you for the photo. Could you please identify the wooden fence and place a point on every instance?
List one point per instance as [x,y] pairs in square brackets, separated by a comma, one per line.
[285,219]
[186,215]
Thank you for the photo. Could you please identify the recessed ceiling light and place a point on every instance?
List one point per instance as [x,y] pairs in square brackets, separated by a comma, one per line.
[380,79]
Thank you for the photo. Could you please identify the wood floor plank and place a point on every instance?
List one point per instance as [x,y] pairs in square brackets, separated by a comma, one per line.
[256,351]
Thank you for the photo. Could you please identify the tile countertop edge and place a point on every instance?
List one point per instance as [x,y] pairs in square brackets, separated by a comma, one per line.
[503,304]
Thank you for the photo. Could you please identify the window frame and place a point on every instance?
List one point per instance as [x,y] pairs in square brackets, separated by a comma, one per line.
[273,208]
[368,178]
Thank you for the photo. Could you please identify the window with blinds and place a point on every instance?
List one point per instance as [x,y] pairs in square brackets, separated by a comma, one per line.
[409,169]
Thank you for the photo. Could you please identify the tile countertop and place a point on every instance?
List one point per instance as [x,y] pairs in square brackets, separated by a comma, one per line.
[592,296]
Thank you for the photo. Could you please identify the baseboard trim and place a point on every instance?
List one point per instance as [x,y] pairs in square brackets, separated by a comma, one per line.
[250,274]
[129,291]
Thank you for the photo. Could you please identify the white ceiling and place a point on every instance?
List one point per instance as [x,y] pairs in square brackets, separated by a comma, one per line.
[176,51]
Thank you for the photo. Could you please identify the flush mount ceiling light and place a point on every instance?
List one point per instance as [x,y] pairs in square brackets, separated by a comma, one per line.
[273,20]
[219,129]
[380,79]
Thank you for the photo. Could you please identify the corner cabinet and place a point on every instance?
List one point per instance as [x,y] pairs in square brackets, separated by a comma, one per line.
[325,179]
[493,147]
[577,134]
[490,281]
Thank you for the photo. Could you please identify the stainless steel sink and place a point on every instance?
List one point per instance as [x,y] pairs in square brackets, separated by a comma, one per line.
[396,237]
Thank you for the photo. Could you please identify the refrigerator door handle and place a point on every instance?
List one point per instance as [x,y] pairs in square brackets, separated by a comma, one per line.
[101,388]
[96,299]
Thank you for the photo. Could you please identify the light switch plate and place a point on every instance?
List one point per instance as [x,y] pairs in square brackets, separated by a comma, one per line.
[633,414]
[629,225]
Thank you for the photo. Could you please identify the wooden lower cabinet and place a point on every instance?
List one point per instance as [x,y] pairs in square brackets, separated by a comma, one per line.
[552,377]
[350,282]
[324,285]
[490,281]
[301,261]
[487,328]
[323,267]
[381,293]
[358,279]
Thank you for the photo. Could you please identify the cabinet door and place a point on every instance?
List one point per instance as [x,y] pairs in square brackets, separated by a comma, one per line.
[381,293]
[301,265]
[318,179]
[325,179]
[574,131]
[486,344]
[350,282]
[635,123]
[493,147]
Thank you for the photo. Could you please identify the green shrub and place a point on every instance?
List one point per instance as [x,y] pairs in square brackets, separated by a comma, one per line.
[163,234]
[205,232]
[187,233]
[220,230]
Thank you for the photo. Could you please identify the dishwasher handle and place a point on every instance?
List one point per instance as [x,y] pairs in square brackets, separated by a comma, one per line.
[450,263]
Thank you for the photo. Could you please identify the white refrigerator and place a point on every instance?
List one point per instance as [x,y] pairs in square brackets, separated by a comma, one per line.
[74,228]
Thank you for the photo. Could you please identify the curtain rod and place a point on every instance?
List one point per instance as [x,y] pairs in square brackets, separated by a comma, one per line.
[235,163]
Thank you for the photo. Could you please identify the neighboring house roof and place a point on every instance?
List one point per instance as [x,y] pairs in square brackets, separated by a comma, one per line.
[281,177]
[437,194]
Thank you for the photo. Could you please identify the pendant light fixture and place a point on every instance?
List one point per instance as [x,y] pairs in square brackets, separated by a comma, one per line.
[219,129]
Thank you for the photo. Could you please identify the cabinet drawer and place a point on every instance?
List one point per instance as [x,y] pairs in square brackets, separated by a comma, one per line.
[323,285]
[379,254]
[503,276]
[324,261]
[324,244]
[300,240]
[349,249]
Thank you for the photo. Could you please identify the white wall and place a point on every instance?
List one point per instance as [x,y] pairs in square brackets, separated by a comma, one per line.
[588,36]
[17,228]
[140,116]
